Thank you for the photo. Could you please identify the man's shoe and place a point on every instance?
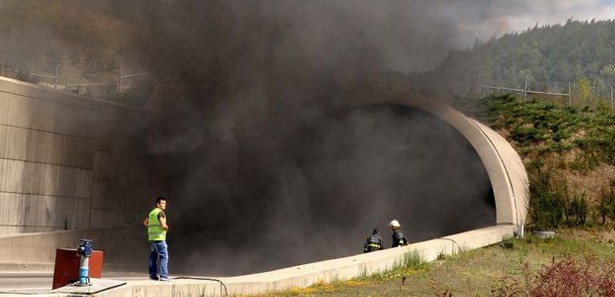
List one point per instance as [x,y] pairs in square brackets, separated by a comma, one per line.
[164,279]
[154,278]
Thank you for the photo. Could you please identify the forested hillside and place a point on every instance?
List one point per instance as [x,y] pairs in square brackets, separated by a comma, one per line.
[579,52]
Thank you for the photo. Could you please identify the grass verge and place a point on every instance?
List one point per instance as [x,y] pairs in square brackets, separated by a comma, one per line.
[573,261]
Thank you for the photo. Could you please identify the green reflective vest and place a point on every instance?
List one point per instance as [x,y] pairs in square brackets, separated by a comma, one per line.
[154,230]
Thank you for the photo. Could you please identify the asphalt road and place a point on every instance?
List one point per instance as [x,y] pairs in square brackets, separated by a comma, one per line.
[40,282]
[25,282]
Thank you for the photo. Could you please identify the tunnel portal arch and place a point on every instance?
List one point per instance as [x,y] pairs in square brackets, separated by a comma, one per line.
[504,166]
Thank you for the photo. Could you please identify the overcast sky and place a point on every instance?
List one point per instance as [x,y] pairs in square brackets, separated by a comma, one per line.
[496,17]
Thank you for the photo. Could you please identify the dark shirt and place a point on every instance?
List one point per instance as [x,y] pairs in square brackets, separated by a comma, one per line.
[398,238]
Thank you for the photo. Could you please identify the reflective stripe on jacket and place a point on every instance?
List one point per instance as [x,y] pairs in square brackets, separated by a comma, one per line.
[373,243]
[154,229]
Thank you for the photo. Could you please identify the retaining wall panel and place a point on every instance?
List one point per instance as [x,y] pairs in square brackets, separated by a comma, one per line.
[11,172]
[44,147]
[103,165]
[76,182]
[30,113]
[11,210]
[4,107]
[139,197]
[77,152]
[73,121]
[116,218]
[105,194]
[13,142]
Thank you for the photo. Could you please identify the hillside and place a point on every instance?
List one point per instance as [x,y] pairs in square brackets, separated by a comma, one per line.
[550,56]
[568,151]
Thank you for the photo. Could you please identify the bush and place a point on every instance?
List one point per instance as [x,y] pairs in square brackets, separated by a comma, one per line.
[566,277]
[546,206]
[606,205]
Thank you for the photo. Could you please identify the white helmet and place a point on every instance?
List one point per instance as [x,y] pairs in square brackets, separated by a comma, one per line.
[394,224]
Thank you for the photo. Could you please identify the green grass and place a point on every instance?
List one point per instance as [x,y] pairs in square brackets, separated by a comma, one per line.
[497,270]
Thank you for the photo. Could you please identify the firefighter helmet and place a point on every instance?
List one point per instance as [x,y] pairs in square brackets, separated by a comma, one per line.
[394,224]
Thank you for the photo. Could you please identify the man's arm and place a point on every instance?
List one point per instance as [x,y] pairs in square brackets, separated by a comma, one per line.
[163,221]
[146,222]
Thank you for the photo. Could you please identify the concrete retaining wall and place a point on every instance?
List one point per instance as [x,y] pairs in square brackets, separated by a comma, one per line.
[36,251]
[65,162]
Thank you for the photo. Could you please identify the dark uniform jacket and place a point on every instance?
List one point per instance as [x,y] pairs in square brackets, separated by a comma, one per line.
[398,238]
[372,243]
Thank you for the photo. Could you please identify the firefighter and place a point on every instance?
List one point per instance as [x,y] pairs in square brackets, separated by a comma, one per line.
[398,236]
[373,243]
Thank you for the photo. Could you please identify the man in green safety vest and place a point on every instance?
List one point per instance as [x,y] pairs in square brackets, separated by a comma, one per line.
[156,223]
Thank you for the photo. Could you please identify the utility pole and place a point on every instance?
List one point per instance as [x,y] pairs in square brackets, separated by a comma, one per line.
[480,86]
[612,98]
[569,95]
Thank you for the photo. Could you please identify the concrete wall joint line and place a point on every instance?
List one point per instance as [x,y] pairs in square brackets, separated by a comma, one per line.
[47,132]
[46,163]
[44,195]
[37,226]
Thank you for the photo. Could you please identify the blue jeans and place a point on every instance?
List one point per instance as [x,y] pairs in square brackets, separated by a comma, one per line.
[158,250]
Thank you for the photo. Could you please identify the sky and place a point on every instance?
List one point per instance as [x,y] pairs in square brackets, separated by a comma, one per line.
[498,17]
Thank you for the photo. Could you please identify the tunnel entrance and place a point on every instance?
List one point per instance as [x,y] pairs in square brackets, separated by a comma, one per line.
[319,192]
[369,165]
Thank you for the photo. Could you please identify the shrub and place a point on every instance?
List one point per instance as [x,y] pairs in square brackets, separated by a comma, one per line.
[606,205]
[566,277]
[546,205]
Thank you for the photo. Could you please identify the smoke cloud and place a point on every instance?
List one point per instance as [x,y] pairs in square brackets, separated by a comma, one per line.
[266,173]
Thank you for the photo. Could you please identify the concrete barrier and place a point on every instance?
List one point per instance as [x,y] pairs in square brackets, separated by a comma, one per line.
[305,275]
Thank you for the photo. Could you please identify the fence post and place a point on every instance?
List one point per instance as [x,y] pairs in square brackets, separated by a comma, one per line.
[569,95]
[525,87]
[612,98]
[480,87]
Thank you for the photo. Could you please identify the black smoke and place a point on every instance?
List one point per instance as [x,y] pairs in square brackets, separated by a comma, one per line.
[265,172]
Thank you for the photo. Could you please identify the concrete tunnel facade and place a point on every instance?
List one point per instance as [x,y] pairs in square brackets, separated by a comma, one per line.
[75,134]
[503,164]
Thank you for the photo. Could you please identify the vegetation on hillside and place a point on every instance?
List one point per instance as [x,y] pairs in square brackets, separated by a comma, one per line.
[581,53]
[569,153]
